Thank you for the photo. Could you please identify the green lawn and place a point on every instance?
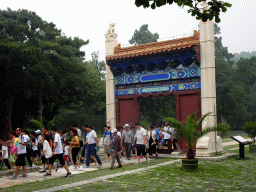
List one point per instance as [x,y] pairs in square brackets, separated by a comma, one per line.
[226,175]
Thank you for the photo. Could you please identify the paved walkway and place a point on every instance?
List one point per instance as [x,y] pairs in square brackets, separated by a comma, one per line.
[106,177]
[6,181]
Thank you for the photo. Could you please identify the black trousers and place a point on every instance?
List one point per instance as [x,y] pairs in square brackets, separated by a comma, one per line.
[127,147]
[75,152]
[168,141]
[28,156]
[7,163]
[83,151]
[174,143]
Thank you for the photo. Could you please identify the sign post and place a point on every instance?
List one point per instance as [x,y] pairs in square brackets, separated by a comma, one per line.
[242,142]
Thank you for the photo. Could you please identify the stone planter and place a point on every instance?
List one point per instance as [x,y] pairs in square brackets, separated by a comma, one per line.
[252,148]
[190,164]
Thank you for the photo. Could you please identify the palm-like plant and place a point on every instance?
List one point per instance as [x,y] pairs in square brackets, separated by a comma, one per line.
[37,123]
[190,132]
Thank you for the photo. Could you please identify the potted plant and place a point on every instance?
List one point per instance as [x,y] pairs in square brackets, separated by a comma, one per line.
[190,133]
[250,129]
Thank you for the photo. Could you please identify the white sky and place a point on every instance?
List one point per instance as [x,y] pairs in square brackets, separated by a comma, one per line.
[89,19]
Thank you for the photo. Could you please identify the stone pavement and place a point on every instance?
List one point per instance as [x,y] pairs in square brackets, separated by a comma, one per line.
[6,181]
[106,177]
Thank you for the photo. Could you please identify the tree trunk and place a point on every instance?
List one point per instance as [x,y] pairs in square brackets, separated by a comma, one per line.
[7,123]
[40,105]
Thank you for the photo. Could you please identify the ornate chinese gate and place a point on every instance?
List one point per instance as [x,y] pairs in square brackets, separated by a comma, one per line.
[156,69]
[179,67]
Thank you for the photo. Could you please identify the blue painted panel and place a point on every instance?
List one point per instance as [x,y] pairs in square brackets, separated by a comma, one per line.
[157,76]
[143,90]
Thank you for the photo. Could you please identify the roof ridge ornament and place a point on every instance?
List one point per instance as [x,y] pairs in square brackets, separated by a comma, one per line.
[111,35]
[196,33]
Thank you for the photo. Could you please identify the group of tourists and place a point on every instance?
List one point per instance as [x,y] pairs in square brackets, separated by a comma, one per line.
[137,140]
[48,146]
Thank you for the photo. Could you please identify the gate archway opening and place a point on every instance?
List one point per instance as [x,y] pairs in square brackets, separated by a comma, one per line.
[154,109]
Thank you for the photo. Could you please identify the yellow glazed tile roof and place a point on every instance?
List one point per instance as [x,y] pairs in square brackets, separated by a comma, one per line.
[154,48]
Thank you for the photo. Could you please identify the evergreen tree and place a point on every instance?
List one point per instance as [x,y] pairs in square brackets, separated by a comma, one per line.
[143,36]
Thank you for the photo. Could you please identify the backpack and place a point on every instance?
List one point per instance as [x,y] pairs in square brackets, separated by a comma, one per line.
[29,145]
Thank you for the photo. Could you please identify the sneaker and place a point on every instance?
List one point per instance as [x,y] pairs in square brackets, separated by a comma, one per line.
[71,166]
[142,157]
[24,175]
[46,168]
[120,166]
[87,166]
[128,158]
[57,167]
[14,177]
[99,166]
[135,157]
[68,175]
[42,171]
[47,175]
[111,168]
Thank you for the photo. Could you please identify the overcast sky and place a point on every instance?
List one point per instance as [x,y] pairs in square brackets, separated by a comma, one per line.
[89,19]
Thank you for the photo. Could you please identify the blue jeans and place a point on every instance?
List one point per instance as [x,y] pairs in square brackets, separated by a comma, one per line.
[91,150]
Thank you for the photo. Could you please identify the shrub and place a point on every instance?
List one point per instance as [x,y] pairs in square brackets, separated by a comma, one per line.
[250,129]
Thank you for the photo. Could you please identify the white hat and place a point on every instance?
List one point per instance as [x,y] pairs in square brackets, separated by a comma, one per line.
[126,125]
[114,130]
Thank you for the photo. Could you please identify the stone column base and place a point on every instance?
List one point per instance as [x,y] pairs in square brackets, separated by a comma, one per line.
[205,146]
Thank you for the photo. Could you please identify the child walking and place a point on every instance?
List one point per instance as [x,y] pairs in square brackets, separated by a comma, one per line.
[67,152]
[5,156]
[46,152]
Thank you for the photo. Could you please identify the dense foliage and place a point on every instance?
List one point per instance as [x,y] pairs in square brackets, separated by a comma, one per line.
[250,129]
[215,7]
[43,73]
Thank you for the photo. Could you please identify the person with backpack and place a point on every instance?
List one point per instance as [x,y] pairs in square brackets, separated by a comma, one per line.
[28,148]
[34,147]
[21,154]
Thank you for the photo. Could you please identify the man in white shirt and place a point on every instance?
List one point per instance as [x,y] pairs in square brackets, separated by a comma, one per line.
[141,141]
[21,153]
[57,153]
[167,136]
[92,143]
